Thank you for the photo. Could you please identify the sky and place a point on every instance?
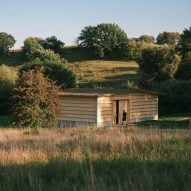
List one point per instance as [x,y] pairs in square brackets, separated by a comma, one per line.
[66,18]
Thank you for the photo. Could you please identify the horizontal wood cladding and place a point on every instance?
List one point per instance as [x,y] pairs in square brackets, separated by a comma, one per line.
[142,95]
[79,116]
[78,105]
[138,114]
[135,119]
[104,110]
[78,112]
[77,119]
[143,112]
[77,108]
[143,106]
[151,108]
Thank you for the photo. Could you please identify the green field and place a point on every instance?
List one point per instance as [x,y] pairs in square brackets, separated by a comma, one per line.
[95,159]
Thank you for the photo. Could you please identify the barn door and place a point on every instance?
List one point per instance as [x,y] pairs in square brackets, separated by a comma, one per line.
[118,107]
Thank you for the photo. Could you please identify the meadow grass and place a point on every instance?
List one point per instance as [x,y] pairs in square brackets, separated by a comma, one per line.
[13,59]
[95,159]
[102,73]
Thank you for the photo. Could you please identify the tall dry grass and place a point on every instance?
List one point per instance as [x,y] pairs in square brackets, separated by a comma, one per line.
[19,146]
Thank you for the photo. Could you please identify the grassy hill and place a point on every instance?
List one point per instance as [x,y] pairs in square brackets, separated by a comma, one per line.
[13,59]
[99,73]
[89,71]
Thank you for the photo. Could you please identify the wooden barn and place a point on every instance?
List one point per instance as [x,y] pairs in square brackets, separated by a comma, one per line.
[104,107]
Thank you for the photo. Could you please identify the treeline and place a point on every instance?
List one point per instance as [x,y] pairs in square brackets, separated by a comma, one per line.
[165,63]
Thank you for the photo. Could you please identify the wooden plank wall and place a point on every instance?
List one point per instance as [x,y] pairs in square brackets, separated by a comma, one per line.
[143,107]
[76,108]
[105,111]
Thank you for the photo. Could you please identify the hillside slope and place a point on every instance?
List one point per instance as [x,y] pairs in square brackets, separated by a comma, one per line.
[89,72]
[99,73]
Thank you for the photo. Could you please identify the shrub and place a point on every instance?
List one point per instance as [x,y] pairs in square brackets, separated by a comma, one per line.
[57,72]
[7,82]
[35,100]
[177,97]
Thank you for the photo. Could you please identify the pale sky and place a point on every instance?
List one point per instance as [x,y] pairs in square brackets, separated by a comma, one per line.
[66,18]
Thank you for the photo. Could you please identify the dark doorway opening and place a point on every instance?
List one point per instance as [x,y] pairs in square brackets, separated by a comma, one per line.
[117,112]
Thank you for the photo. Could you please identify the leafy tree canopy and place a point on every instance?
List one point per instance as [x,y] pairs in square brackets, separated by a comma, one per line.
[184,70]
[147,38]
[170,38]
[106,40]
[137,46]
[184,45]
[7,41]
[159,63]
[33,49]
[54,44]
[57,72]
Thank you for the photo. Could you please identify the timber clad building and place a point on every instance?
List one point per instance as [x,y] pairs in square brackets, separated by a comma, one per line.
[104,107]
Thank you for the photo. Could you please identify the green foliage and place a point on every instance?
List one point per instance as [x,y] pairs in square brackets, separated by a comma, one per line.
[176,98]
[7,82]
[106,40]
[6,120]
[170,38]
[137,46]
[57,72]
[184,70]
[146,38]
[55,67]
[7,41]
[184,45]
[54,44]
[35,99]
[159,63]
[33,49]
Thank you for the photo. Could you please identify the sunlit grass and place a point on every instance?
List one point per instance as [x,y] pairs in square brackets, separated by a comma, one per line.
[95,159]
[21,147]
[105,73]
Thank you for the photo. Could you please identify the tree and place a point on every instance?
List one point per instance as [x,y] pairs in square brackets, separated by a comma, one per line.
[147,39]
[7,83]
[184,45]
[184,48]
[54,44]
[159,63]
[35,99]
[106,40]
[176,97]
[137,46]
[184,70]
[33,49]
[55,67]
[170,38]
[56,71]
[7,41]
